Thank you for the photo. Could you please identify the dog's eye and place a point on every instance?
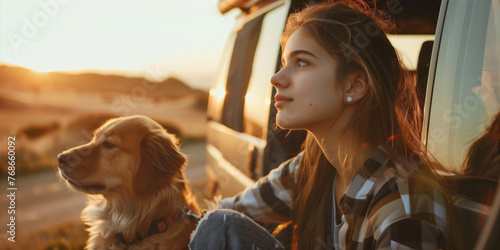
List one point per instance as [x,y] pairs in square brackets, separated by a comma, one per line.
[108,145]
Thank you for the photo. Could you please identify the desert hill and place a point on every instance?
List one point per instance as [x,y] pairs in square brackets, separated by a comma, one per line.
[22,78]
[51,112]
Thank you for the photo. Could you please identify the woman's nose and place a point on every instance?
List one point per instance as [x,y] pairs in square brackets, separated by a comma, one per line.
[279,79]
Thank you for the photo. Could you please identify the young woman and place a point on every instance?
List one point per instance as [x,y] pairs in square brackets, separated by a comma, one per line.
[363,180]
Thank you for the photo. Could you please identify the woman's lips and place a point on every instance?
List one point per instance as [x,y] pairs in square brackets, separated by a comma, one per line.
[280,101]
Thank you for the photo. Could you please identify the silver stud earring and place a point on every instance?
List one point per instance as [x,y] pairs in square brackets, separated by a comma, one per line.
[349,99]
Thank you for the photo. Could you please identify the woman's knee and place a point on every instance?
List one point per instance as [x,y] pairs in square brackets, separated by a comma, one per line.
[211,231]
[217,222]
[221,218]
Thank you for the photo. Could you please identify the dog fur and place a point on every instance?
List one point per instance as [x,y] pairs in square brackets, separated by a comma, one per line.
[132,171]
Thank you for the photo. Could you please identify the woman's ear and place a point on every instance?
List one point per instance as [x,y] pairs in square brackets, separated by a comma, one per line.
[356,87]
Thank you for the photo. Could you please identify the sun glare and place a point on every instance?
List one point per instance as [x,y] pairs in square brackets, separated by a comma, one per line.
[219,93]
[40,68]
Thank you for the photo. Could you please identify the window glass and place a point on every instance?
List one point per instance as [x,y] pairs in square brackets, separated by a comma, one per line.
[218,90]
[466,87]
[258,96]
[239,73]
[490,89]
[408,47]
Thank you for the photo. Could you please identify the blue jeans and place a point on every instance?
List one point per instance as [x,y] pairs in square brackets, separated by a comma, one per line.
[227,229]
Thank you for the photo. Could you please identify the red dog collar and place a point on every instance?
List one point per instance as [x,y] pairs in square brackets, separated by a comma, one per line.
[161,225]
[157,226]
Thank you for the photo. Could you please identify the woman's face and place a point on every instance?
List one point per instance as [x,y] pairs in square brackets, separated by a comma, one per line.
[308,94]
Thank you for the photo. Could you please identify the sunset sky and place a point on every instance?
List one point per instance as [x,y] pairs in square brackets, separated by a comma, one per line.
[167,37]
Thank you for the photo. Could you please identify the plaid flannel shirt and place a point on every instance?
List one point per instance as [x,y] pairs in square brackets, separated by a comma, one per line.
[381,210]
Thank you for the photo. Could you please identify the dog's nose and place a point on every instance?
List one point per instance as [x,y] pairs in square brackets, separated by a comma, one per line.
[63,159]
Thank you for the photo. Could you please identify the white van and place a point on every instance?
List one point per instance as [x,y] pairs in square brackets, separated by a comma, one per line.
[452,46]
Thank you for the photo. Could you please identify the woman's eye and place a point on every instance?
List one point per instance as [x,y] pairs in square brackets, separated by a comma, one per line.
[301,63]
[108,145]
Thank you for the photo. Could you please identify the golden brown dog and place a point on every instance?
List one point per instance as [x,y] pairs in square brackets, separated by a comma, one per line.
[139,199]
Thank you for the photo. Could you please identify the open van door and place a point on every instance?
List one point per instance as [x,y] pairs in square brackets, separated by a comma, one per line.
[243,143]
[462,101]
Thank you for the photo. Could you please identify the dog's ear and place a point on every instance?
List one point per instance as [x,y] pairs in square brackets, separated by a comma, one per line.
[160,160]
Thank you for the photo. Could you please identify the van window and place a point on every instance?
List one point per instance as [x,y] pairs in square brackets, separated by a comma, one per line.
[415,60]
[239,73]
[258,96]
[218,91]
[466,92]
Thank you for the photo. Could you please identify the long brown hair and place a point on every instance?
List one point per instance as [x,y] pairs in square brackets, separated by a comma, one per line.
[354,35]
[484,153]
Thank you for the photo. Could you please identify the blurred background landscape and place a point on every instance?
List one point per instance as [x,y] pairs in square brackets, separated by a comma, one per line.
[51,112]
